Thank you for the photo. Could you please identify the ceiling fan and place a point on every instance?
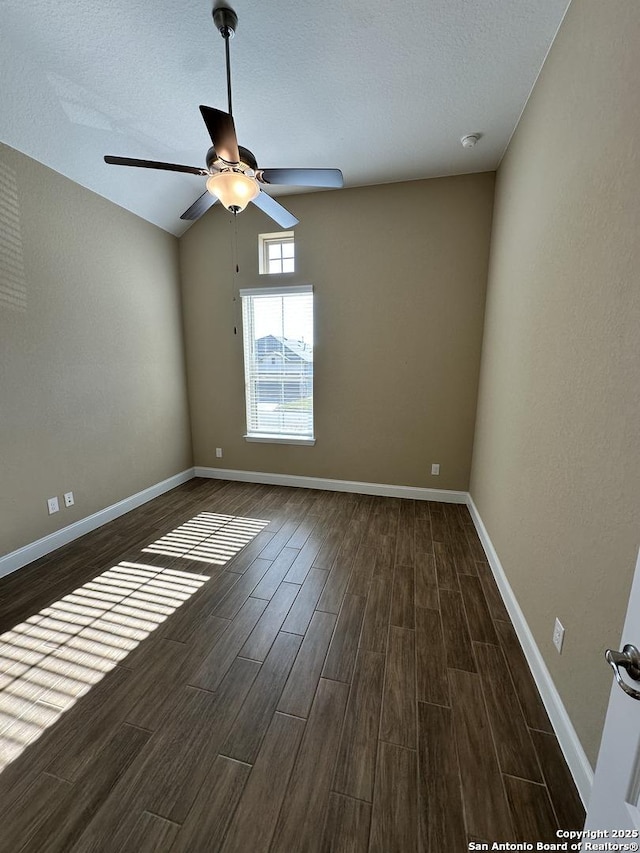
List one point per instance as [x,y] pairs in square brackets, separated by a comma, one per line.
[232,172]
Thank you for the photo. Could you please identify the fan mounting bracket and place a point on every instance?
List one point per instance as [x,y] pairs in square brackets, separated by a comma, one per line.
[225,20]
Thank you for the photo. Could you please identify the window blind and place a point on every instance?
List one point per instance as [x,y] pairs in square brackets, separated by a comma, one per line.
[278,360]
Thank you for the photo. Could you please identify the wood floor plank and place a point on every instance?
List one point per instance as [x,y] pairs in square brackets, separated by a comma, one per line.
[562,789]
[268,625]
[334,589]
[302,819]
[301,685]
[330,547]
[462,556]
[247,556]
[405,544]
[375,627]
[531,811]
[30,812]
[172,767]
[445,567]
[432,683]
[478,616]
[184,751]
[253,720]
[485,804]
[426,582]
[422,533]
[299,616]
[394,815]
[331,597]
[385,558]
[182,625]
[516,754]
[398,724]
[255,818]
[280,539]
[151,834]
[491,593]
[342,652]
[532,707]
[204,638]
[65,824]
[88,726]
[439,528]
[303,531]
[219,660]
[440,809]
[457,642]
[474,544]
[303,562]
[347,826]
[403,597]
[356,762]
[275,574]
[153,687]
[230,605]
[362,570]
[207,822]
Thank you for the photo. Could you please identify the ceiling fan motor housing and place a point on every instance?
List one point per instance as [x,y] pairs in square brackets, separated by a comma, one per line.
[246,158]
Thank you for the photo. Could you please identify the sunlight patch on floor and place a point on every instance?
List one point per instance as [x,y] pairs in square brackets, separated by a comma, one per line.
[209,537]
[54,657]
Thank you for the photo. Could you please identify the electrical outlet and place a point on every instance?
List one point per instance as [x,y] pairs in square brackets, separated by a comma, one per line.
[52,504]
[558,635]
[68,499]
[435,468]
[219,452]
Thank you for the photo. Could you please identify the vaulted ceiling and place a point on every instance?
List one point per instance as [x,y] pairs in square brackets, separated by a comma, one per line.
[381,90]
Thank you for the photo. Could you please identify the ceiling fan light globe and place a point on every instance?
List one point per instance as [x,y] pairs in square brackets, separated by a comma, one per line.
[234,189]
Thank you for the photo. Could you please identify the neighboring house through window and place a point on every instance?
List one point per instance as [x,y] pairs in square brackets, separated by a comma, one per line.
[278,363]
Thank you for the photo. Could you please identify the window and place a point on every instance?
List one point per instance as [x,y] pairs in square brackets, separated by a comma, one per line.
[278,363]
[276,253]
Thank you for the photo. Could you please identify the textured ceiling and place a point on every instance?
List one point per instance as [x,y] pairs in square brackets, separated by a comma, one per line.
[382,91]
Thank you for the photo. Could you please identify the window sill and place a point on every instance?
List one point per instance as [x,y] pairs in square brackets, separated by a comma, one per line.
[265,438]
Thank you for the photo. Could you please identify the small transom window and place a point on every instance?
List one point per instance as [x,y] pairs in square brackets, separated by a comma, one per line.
[276,253]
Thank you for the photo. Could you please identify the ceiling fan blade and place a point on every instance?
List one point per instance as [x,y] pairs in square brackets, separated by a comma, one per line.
[275,210]
[154,164]
[222,131]
[302,177]
[199,206]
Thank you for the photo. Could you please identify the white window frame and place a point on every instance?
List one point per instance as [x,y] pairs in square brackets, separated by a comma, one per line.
[270,438]
[266,240]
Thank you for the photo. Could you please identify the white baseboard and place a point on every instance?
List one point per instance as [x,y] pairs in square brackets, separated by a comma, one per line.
[575,755]
[17,559]
[385,490]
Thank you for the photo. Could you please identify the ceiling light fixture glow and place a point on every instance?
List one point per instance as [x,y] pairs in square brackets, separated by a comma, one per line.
[234,189]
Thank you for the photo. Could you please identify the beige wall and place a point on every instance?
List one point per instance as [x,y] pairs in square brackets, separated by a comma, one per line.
[92,381]
[399,273]
[556,471]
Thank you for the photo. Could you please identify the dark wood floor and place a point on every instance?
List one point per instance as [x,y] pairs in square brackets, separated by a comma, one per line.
[283,670]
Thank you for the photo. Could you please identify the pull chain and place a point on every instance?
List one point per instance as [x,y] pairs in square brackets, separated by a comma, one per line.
[234,277]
